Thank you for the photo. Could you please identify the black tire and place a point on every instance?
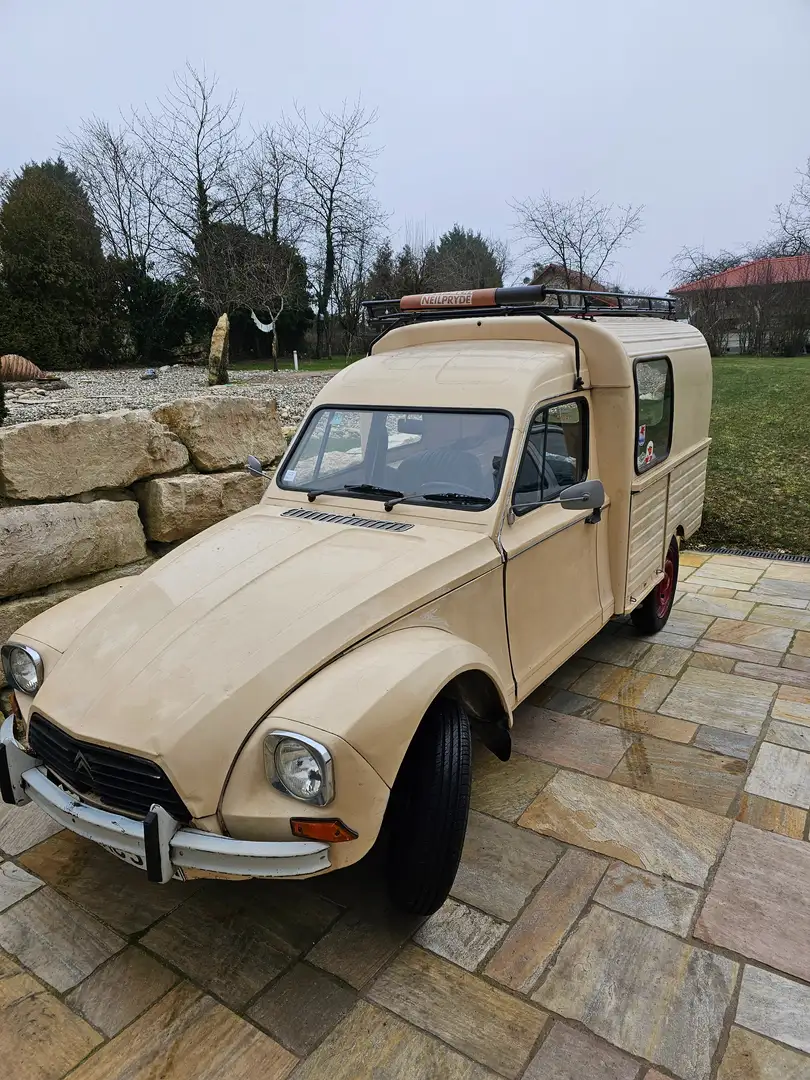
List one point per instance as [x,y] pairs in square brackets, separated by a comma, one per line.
[652,613]
[428,810]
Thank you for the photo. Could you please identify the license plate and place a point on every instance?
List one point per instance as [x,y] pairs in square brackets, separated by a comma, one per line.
[139,861]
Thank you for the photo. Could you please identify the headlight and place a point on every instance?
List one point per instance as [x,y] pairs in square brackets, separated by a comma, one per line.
[23,668]
[299,766]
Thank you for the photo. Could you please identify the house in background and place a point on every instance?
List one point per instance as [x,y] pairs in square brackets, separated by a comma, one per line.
[761,308]
[555,276]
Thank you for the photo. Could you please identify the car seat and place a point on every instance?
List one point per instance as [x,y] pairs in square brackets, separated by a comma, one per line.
[443,469]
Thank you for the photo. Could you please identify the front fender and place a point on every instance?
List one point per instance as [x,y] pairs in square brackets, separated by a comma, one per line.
[59,625]
[375,696]
[52,631]
[365,707]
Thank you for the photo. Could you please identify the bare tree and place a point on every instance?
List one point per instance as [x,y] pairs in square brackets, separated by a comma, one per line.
[354,253]
[333,164]
[121,181]
[793,218]
[194,146]
[274,209]
[581,235]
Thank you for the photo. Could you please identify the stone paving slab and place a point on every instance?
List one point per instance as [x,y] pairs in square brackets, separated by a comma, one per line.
[750,1057]
[652,899]
[637,828]
[632,902]
[757,904]
[643,990]
[485,1024]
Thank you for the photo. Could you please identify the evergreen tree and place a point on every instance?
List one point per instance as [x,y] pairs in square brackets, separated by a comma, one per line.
[464,259]
[57,306]
[381,279]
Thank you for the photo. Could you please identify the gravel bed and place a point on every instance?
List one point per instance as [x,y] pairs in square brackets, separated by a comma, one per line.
[102,391]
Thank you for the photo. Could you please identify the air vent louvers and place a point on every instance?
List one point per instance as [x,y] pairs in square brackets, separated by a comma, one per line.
[347,519]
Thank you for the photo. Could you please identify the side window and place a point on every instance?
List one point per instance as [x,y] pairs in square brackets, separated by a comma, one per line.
[654,395]
[555,455]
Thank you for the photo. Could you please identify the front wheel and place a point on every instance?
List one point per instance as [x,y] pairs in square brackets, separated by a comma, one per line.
[652,613]
[428,810]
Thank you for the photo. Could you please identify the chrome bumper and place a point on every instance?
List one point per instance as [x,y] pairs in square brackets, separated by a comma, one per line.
[158,844]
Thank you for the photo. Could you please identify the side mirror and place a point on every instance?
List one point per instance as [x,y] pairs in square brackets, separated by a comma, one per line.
[254,466]
[589,495]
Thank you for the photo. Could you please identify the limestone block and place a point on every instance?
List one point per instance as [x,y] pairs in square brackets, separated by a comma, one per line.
[221,432]
[176,507]
[50,459]
[49,542]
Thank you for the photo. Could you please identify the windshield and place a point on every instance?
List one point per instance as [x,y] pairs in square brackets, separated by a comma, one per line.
[430,456]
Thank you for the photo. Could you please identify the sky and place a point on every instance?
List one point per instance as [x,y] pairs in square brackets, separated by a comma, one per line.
[696,109]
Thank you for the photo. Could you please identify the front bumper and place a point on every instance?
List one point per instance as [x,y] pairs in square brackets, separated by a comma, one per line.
[158,844]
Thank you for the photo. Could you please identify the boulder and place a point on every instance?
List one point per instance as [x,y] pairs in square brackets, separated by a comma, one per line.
[50,459]
[15,613]
[221,432]
[176,507]
[50,542]
[218,354]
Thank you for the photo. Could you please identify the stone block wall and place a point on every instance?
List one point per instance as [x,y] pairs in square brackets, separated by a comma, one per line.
[95,497]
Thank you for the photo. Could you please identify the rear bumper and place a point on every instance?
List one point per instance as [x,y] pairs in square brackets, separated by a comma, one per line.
[157,844]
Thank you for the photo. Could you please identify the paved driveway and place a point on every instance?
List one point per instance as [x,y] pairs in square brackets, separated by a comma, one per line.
[633,900]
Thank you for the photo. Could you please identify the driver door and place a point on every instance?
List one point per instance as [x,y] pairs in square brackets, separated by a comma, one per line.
[552,587]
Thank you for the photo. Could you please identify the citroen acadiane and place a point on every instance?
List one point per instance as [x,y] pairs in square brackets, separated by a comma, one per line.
[459,512]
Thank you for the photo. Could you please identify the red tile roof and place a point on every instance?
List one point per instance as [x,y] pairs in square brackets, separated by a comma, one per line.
[781,270]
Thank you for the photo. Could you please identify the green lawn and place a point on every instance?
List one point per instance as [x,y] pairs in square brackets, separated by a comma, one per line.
[330,364]
[758,488]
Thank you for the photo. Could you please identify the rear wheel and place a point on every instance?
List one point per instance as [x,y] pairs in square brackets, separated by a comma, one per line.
[428,810]
[652,613]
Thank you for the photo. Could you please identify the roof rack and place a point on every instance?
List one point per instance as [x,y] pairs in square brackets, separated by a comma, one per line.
[518,300]
[537,300]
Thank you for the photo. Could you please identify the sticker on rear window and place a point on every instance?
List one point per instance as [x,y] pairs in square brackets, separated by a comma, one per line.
[642,434]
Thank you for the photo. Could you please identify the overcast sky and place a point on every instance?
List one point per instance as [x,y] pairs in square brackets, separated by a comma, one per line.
[698,109]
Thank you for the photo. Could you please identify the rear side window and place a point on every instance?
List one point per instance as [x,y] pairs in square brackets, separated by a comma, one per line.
[555,455]
[653,411]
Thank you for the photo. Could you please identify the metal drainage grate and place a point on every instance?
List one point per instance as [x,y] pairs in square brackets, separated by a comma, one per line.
[776,556]
[344,519]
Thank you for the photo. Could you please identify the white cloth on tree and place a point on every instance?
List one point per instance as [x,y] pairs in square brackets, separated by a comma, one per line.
[266,328]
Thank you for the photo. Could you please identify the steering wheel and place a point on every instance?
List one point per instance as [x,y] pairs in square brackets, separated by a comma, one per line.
[439,487]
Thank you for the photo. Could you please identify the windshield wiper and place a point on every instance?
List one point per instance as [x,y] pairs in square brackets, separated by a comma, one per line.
[359,489]
[443,496]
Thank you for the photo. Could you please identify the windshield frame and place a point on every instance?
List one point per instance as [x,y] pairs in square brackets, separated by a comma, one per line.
[415,500]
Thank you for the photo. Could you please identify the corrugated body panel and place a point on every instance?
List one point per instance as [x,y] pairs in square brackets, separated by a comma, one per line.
[642,336]
[687,488]
[646,541]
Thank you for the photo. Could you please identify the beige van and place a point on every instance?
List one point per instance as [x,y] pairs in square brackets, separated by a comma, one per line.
[459,512]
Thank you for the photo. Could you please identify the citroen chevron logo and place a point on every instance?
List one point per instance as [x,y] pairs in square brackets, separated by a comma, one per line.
[82,765]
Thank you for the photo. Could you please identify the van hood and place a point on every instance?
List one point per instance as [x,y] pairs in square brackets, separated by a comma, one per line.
[183,662]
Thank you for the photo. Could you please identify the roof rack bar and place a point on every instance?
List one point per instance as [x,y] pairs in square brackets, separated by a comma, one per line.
[579,302]
[537,300]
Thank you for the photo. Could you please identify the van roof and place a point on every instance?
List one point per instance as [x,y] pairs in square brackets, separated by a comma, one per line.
[501,361]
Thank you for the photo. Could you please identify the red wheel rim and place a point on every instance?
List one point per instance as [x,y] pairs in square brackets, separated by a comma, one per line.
[664,589]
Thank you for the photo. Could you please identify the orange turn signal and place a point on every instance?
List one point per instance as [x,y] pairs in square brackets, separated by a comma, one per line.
[327,830]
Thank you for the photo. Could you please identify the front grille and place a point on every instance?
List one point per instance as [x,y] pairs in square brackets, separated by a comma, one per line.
[120,781]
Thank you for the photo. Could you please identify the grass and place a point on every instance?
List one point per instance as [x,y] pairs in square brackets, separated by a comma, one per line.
[758,487]
[330,364]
